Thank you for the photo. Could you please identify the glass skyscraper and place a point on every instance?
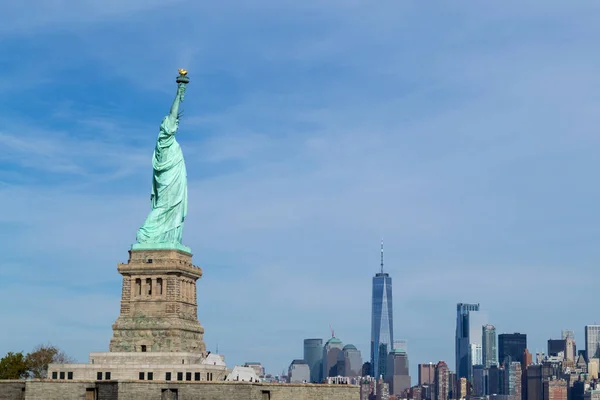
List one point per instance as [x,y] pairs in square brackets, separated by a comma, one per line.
[313,355]
[489,347]
[382,323]
[511,347]
[469,323]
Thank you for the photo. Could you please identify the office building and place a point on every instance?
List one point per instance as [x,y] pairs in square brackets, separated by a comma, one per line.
[567,333]
[512,380]
[511,345]
[382,323]
[489,347]
[313,355]
[452,385]
[557,348]
[479,387]
[426,374]
[397,372]
[570,349]
[352,362]
[441,381]
[468,340]
[493,379]
[332,352]
[401,345]
[592,342]
[555,389]
[298,372]
[535,389]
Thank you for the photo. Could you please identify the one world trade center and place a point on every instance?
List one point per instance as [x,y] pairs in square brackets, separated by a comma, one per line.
[382,323]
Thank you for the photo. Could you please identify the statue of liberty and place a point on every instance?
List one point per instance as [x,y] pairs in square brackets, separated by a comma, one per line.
[163,227]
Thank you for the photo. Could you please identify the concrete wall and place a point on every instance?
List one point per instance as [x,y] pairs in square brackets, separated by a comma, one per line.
[63,390]
[12,390]
[135,390]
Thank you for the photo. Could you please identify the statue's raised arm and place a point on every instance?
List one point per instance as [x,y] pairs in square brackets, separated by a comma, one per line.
[164,225]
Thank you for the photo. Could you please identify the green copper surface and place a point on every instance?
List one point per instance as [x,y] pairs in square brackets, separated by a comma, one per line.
[163,227]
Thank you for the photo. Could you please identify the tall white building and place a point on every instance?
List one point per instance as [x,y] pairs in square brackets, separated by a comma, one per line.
[476,354]
[592,342]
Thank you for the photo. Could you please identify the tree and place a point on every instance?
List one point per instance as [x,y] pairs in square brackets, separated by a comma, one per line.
[42,355]
[13,366]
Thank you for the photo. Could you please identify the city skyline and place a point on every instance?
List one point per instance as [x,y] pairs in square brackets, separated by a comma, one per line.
[308,135]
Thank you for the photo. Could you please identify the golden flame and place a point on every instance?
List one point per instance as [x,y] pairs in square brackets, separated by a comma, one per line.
[182,72]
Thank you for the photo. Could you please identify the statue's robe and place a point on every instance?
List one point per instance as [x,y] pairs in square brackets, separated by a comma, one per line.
[169,189]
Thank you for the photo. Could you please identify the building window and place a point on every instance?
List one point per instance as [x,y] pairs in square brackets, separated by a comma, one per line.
[150,376]
[141,377]
[188,376]
[54,375]
[70,375]
[180,376]
[167,376]
[159,286]
[143,348]
[196,376]
[138,287]
[266,395]
[62,375]
[107,376]
[149,286]
[99,376]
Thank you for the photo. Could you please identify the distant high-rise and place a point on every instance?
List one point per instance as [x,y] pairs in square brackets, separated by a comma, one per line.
[382,325]
[332,352]
[556,346]
[452,385]
[512,381]
[511,345]
[469,322]
[479,381]
[490,351]
[571,347]
[352,361]
[441,381]
[493,380]
[298,372]
[567,333]
[313,355]
[401,345]
[398,372]
[527,361]
[592,342]
[535,388]
[426,374]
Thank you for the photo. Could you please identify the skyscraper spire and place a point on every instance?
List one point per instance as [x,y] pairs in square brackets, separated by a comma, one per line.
[382,256]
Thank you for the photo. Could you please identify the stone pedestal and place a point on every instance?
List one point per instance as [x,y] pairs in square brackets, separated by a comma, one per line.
[158,304]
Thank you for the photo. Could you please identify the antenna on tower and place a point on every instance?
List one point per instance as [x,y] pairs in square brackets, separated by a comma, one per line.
[382,256]
[332,331]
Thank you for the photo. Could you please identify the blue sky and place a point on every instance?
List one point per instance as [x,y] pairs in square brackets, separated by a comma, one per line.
[463,133]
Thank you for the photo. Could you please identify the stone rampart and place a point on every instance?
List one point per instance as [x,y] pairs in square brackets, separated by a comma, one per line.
[161,390]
